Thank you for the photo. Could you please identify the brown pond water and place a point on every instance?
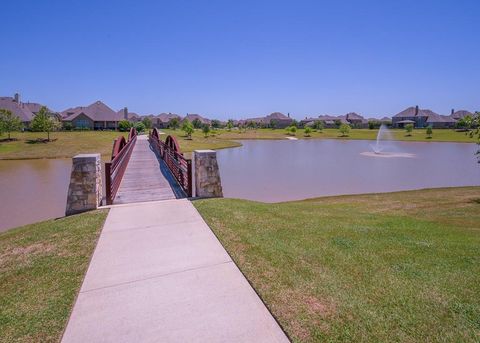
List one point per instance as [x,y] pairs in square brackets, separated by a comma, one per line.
[270,171]
[32,190]
[273,171]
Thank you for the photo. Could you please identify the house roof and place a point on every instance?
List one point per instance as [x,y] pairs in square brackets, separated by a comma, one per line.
[191,117]
[410,112]
[166,117]
[437,118]
[130,115]
[354,116]
[18,109]
[97,111]
[35,107]
[461,113]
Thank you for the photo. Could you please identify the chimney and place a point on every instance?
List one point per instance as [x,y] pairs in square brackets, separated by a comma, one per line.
[288,114]
[16,98]
[416,110]
[453,111]
[125,113]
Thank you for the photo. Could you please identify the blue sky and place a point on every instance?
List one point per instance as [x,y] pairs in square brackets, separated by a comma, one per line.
[231,59]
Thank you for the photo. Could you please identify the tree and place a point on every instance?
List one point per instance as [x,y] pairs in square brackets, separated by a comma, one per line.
[307,131]
[140,126]
[174,123]
[373,124]
[344,130]
[409,129]
[318,125]
[43,122]
[273,124]
[9,122]
[124,125]
[206,130]
[187,127]
[429,132]
[216,124]
[197,123]
[294,123]
[338,123]
[291,130]
[230,125]
[147,122]
[251,124]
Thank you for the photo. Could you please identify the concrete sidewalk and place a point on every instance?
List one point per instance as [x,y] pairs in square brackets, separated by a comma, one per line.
[158,274]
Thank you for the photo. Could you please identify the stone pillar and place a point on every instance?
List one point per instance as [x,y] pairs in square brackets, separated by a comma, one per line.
[207,175]
[85,190]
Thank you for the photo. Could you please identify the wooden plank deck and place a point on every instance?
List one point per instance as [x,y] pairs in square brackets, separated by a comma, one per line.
[146,178]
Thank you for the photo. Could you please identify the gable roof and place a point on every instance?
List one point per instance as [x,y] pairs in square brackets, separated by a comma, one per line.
[166,117]
[35,107]
[97,111]
[354,116]
[437,118]
[410,112]
[18,109]
[460,114]
[192,117]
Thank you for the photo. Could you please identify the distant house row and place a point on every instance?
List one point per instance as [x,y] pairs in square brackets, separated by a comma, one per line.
[423,118]
[98,116]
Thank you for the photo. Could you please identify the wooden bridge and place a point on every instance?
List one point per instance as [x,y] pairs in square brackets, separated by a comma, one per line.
[147,169]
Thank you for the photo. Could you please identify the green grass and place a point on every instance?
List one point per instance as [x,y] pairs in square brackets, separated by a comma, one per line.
[63,144]
[418,135]
[41,269]
[365,268]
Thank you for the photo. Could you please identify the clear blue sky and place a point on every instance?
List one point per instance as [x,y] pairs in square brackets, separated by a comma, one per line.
[244,58]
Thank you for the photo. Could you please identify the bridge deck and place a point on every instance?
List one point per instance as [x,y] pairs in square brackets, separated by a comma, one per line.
[146,178]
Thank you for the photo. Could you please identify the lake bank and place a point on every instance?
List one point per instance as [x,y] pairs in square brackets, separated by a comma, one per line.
[382,267]
[70,143]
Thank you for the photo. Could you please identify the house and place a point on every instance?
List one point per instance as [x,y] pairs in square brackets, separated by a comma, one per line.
[130,116]
[19,109]
[460,114]
[161,121]
[279,119]
[421,118]
[191,117]
[96,116]
[356,120]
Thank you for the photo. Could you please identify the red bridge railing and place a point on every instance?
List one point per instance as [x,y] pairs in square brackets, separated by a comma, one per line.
[179,166]
[114,170]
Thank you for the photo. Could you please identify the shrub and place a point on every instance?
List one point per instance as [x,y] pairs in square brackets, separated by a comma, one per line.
[308,131]
[174,123]
[124,125]
[344,130]
[140,126]
[429,132]
[206,130]
[147,122]
[67,126]
[187,127]
[9,122]
[318,125]
[409,129]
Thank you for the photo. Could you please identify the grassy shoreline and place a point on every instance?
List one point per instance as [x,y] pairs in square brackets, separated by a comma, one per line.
[42,267]
[68,144]
[400,266]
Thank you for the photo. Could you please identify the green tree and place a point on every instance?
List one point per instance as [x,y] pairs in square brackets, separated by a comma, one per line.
[206,130]
[174,123]
[124,125]
[187,127]
[251,124]
[338,123]
[344,130]
[273,124]
[197,123]
[429,132]
[147,122]
[44,122]
[216,124]
[318,125]
[230,125]
[140,126]
[307,131]
[409,129]
[9,122]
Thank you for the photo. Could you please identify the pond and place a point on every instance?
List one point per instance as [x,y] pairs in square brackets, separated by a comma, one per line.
[269,171]
[274,171]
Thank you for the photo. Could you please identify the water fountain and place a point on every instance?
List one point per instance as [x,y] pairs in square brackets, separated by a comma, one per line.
[379,149]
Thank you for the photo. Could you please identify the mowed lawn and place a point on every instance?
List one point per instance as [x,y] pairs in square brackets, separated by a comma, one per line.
[41,270]
[64,144]
[395,267]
